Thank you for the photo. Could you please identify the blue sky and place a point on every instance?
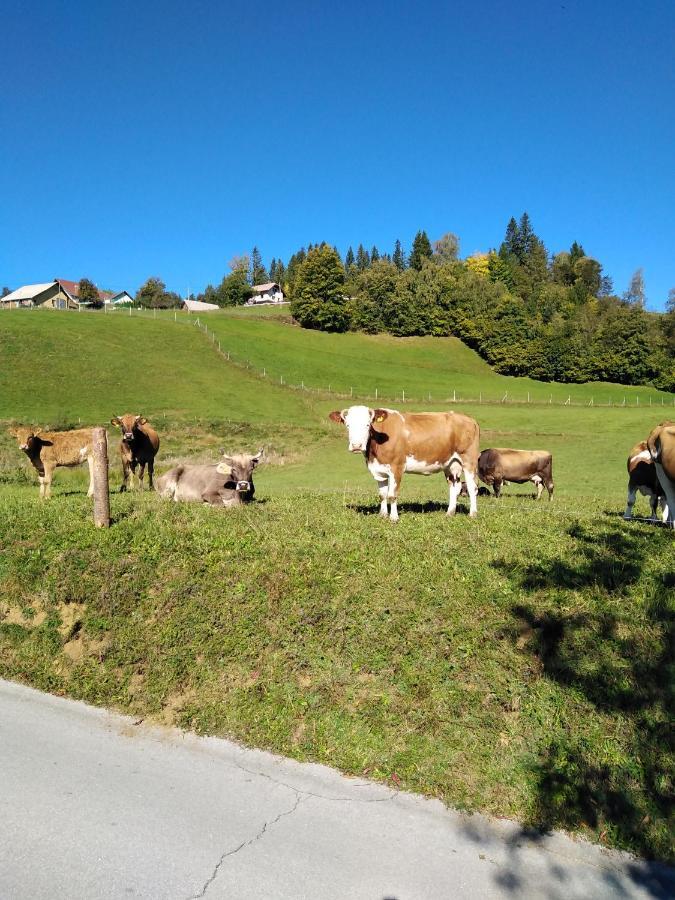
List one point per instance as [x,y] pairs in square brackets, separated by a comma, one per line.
[164,138]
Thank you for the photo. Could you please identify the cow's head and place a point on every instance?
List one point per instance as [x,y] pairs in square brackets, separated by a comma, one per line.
[238,471]
[128,424]
[28,439]
[359,421]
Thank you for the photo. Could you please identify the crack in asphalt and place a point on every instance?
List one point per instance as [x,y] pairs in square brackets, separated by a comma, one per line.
[300,795]
[266,825]
[392,793]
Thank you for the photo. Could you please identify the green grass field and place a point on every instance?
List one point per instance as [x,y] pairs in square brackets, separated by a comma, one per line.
[520,663]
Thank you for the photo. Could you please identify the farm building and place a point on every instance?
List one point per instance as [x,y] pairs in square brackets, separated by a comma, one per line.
[266,293]
[198,306]
[57,294]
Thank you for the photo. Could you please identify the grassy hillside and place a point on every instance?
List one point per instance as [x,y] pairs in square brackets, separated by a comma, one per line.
[520,663]
[420,367]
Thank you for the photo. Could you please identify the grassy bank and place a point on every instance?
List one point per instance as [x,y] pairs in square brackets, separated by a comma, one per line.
[517,664]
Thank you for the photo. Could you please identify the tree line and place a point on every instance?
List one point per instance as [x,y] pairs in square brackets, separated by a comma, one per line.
[550,317]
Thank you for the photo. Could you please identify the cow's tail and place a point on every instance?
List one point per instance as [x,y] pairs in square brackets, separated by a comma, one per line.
[654,447]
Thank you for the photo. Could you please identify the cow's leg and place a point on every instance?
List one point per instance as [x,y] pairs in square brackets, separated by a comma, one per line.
[539,484]
[549,488]
[653,504]
[630,501]
[90,463]
[213,498]
[151,472]
[664,510]
[141,476]
[497,486]
[472,488]
[126,473]
[47,482]
[383,490]
[41,481]
[394,484]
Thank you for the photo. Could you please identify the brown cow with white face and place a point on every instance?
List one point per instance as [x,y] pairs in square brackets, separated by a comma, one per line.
[642,477]
[498,465]
[138,447]
[393,442]
[661,446]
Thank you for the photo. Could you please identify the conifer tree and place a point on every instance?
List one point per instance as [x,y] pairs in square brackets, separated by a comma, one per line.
[576,252]
[258,271]
[362,258]
[510,246]
[421,250]
[374,254]
[349,258]
[398,257]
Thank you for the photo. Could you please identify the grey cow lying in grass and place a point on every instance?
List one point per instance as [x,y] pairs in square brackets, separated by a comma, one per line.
[227,483]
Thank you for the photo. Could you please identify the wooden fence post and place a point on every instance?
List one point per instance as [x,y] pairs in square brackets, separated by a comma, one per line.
[101,495]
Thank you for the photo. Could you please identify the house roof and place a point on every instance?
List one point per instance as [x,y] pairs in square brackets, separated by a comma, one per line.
[72,288]
[28,291]
[199,305]
[265,287]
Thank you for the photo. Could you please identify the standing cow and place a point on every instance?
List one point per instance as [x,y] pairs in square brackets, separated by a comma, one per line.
[138,447]
[501,464]
[47,450]
[642,477]
[661,446]
[393,442]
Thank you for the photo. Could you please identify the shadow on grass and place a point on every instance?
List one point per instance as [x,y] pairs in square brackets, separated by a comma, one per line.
[412,506]
[601,624]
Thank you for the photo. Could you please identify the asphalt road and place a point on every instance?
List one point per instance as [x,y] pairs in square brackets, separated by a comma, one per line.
[92,806]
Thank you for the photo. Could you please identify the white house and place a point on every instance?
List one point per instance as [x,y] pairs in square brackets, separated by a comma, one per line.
[266,293]
[119,297]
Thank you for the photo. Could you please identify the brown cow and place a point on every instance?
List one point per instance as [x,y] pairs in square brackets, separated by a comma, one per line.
[47,450]
[661,445]
[501,464]
[642,477]
[393,442]
[138,447]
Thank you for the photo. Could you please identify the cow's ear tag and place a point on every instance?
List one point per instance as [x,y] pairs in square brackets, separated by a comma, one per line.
[380,419]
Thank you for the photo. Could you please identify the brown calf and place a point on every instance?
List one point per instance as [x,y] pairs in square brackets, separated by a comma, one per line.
[393,442]
[138,447]
[498,465]
[47,450]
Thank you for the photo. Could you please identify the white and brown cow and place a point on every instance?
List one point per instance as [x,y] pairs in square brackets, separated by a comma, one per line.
[642,477]
[393,442]
[498,465]
[661,445]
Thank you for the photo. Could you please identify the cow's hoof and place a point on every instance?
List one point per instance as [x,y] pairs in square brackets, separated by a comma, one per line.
[473,515]
[627,518]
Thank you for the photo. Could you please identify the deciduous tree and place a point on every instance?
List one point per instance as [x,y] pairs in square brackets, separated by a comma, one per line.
[318,296]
